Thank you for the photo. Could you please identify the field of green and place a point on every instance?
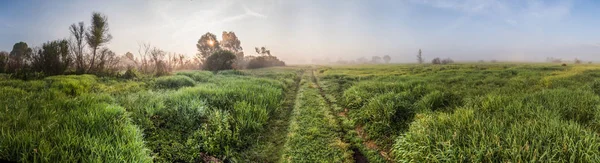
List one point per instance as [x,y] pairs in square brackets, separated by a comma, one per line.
[493,112]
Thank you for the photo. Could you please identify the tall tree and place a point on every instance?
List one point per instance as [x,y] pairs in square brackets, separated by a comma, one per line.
[97,35]
[420,57]
[232,43]
[77,46]
[387,58]
[207,45]
[18,57]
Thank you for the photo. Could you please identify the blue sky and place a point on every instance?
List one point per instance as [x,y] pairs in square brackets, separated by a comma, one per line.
[301,30]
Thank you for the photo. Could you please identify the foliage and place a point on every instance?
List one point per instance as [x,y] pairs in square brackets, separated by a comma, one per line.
[219,60]
[53,58]
[207,45]
[96,37]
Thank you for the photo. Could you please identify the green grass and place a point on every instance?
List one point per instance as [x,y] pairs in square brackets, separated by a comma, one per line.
[493,112]
[313,133]
[474,112]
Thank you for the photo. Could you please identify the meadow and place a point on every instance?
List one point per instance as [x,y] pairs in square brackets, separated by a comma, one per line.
[464,112]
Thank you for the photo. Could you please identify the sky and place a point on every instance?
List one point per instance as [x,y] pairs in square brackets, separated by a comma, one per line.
[298,31]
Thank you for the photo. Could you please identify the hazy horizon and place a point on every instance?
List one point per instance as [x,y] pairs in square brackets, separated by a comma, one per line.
[298,31]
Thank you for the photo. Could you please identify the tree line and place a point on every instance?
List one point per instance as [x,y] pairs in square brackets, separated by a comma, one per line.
[86,53]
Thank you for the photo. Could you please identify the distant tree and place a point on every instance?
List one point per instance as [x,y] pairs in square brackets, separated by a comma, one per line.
[263,51]
[436,61]
[375,59]
[481,61]
[53,58]
[493,61]
[17,60]
[219,60]
[362,60]
[265,59]
[207,45]
[420,57]
[387,58]
[577,61]
[3,61]
[96,37]
[447,61]
[78,46]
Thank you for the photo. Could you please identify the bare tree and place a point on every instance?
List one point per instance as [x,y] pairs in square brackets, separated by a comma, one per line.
[375,59]
[144,55]
[78,46]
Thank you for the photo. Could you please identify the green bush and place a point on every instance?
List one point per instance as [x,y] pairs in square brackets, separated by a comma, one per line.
[174,82]
[72,84]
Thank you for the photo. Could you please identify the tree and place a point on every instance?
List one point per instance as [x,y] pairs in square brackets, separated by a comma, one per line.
[97,36]
[53,58]
[207,45]
[375,59]
[420,57]
[577,61]
[387,58]
[232,43]
[219,60]
[18,57]
[447,61]
[3,61]
[436,61]
[77,46]
[263,51]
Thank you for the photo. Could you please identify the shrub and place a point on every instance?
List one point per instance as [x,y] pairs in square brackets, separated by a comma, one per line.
[436,61]
[72,84]
[131,73]
[174,82]
[219,60]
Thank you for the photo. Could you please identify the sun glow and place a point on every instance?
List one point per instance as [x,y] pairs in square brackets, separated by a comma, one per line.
[211,42]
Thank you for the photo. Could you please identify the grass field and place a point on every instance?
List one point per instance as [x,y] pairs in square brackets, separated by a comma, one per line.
[493,112]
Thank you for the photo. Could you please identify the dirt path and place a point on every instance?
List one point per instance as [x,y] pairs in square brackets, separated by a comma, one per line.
[271,142]
[357,155]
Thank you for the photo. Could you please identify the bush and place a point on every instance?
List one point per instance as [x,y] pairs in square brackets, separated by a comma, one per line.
[174,82]
[72,84]
[219,60]
[131,73]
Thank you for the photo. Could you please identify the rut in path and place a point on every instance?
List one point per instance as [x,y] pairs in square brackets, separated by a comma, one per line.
[357,155]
